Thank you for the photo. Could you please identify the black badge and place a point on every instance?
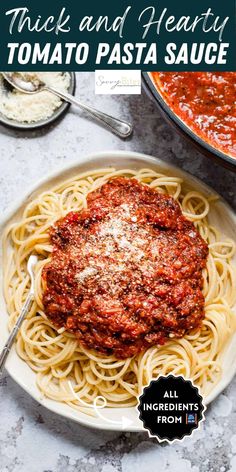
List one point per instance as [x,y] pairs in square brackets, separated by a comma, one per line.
[170,408]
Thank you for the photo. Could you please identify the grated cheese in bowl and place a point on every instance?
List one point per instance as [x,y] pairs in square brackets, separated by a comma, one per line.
[26,108]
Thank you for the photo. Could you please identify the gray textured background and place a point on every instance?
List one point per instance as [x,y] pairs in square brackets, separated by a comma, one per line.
[35,440]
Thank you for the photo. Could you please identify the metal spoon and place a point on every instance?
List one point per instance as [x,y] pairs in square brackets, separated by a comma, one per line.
[120,128]
[25,310]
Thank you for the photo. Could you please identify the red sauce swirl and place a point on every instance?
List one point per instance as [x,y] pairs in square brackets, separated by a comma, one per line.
[125,273]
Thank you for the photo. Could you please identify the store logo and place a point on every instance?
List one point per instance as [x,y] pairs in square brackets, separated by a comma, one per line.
[191,418]
[118,82]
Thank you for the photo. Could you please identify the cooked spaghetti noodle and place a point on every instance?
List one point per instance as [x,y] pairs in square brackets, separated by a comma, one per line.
[56,356]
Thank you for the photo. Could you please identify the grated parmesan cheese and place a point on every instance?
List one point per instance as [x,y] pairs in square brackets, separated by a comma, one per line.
[22,107]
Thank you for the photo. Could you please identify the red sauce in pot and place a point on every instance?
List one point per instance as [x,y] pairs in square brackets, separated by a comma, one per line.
[206,102]
[125,273]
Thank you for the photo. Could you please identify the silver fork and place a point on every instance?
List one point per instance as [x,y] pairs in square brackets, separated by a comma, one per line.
[25,310]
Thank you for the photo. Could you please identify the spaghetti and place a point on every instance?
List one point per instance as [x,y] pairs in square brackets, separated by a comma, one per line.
[56,356]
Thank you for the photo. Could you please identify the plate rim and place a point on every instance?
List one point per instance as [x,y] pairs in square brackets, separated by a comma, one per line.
[96,158]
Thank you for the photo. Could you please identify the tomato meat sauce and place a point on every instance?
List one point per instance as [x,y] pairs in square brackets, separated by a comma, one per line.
[206,102]
[125,273]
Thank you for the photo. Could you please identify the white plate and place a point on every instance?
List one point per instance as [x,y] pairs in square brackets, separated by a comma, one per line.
[221,216]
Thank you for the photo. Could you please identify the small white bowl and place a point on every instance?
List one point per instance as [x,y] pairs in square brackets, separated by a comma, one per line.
[222,217]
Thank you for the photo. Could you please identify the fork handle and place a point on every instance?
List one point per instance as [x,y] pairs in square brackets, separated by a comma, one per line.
[6,349]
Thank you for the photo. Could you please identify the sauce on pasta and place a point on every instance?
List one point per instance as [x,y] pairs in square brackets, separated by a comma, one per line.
[126,272]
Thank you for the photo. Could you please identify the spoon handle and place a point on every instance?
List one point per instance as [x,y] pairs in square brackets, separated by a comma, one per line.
[6,349]
[119,127]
